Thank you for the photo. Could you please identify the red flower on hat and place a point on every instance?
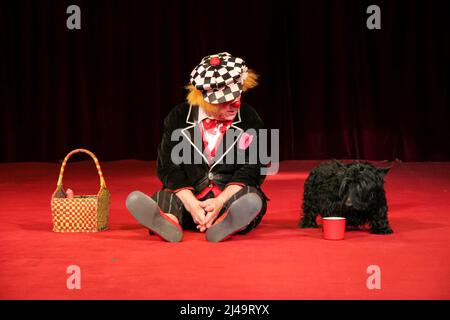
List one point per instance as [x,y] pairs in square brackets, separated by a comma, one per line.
[215,61]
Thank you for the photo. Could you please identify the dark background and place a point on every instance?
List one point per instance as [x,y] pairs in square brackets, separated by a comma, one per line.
[334,88]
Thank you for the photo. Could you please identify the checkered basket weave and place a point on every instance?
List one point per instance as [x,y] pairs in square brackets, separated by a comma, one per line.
[83,213]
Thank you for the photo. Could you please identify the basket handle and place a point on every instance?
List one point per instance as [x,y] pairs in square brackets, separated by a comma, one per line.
[97,164]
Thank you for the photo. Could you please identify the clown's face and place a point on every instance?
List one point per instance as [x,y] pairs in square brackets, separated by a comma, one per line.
[225,111]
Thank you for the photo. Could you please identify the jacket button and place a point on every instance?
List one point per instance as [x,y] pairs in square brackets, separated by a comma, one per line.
[210,176]
[210,185]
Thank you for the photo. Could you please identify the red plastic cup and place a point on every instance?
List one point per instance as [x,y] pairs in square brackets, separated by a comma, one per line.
[333,228]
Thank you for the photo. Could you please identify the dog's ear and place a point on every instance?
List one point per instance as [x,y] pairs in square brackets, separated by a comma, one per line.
[383,171]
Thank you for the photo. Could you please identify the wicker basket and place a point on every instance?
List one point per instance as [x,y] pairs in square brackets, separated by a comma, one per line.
[82,213]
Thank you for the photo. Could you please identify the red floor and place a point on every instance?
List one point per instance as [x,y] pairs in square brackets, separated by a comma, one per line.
[276,261]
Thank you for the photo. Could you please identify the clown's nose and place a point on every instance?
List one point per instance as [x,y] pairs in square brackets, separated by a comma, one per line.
[236,104]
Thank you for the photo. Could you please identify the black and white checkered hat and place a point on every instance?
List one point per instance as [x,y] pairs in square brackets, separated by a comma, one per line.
[219,77]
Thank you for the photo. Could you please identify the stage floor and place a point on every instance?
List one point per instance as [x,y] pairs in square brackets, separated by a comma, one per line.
[276,261]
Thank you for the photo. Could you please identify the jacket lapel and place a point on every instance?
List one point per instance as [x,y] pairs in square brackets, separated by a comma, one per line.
[192,132]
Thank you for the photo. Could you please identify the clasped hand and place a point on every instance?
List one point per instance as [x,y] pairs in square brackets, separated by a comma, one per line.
[205,212]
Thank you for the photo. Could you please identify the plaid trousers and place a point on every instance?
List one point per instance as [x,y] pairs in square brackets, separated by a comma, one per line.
[168,202]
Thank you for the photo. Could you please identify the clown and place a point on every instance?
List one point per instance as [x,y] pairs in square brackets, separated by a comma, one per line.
[216,196]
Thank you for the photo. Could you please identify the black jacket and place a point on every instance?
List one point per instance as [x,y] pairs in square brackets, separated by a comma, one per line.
[198,175]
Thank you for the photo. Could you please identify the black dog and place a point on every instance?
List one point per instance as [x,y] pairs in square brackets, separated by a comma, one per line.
[354,191]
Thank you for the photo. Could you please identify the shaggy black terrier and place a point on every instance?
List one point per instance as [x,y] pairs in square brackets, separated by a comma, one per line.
[354,191]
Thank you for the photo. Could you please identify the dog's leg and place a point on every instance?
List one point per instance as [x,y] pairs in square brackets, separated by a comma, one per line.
[380,223]
[309,217]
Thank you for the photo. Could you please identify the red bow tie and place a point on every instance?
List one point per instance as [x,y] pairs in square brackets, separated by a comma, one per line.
[209,124]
